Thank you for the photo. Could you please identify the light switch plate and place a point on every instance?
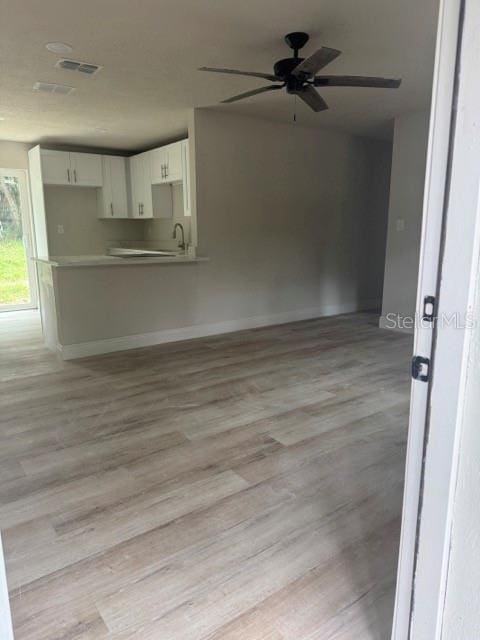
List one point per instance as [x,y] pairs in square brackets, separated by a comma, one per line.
[60,229]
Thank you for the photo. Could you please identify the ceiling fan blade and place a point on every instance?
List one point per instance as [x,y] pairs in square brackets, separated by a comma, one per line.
[356,81]
[254,92]
[316,61]
[265,76]
[311,97]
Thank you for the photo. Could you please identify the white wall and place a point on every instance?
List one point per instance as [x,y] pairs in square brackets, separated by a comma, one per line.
[293,220]
[462,603]
[291,210]
[406,203]
[13,155]
[75,209]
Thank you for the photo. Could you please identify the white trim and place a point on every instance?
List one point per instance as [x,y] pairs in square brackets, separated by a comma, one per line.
[459,266]
[6,630]
[96,347]
[433,205]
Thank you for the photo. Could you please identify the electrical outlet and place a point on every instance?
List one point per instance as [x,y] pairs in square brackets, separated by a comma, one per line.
[60,229]
[400,224]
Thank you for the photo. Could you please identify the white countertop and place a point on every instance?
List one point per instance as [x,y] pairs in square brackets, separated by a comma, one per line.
[110,261]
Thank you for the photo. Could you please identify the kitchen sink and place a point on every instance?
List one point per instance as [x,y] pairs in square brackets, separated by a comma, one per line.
[123,252]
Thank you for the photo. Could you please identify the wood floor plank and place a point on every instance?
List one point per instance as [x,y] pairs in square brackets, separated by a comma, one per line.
[245,486]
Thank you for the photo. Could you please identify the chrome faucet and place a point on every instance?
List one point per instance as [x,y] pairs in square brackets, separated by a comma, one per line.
[174,235]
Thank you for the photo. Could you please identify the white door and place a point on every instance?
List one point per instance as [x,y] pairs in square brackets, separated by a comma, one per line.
[454,337]
[56,167]
[18,280]
[86,169]
[433,215]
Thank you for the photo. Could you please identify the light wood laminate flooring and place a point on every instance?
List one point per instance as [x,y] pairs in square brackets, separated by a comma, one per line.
[238,487]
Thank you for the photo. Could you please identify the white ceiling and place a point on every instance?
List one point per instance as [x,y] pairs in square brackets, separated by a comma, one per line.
[150,50]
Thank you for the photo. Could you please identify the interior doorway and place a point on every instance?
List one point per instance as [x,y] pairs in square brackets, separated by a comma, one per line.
[18,283]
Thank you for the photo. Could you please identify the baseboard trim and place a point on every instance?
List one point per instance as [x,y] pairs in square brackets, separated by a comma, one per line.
[122,343]
[385,323]
[6,630]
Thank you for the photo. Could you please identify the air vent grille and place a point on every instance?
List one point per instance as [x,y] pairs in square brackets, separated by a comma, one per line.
[50,87]
[75,65]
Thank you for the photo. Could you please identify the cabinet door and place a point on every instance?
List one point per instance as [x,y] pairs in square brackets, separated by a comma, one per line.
[174,166]
[187,211]
[135,184]
[118,179]
[141,183]
[86,169]
[146,203]
[159,160]
[114,191]
[56,167]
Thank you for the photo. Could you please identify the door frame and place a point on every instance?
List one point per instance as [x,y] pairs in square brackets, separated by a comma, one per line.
[436,176]
[28,240]
[451,252]
[456,294]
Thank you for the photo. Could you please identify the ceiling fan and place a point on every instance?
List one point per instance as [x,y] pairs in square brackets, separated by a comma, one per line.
[298,75]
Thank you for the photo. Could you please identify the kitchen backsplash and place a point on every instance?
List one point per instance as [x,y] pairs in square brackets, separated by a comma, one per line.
[74,228]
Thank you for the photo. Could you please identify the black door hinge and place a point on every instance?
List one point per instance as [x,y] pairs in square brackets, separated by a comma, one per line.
[429,308]
[421,368]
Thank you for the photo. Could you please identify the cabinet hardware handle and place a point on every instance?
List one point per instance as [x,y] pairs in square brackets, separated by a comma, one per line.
[139,209]
[68,175]
[75,174]
[111,208]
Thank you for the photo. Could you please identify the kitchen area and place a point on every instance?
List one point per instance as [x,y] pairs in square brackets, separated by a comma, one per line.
[109,219]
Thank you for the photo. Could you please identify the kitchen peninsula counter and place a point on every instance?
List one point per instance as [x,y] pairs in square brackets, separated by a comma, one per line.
[110,261]
[96,304]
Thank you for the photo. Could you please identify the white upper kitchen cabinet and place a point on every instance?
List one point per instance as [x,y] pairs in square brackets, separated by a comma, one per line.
[167,164]
[113,201]
[55,166]
[141,184]
[159,160]
[66,168]
[86,169]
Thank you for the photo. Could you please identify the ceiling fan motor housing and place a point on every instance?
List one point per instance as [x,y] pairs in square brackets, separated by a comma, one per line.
[283,69]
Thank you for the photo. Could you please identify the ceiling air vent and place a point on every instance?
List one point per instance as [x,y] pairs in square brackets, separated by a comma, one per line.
[50,87]
[82,67]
